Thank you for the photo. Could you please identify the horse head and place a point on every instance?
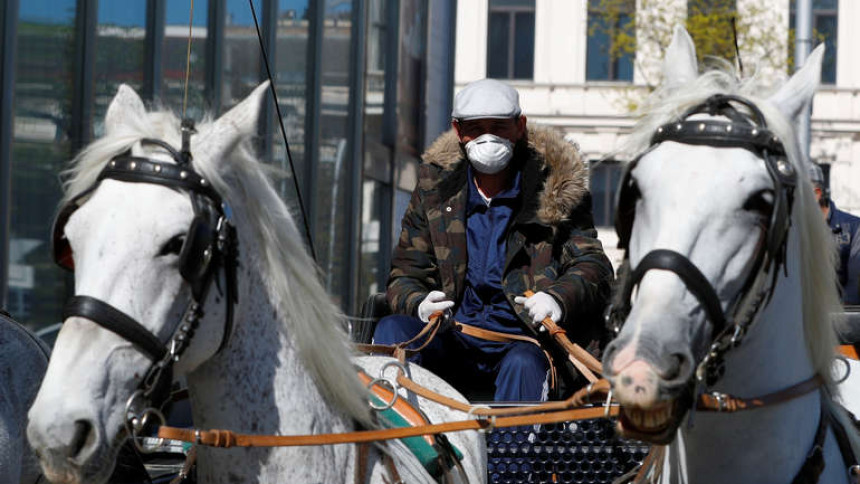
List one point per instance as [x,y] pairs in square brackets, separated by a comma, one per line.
[148,237]
[704,214]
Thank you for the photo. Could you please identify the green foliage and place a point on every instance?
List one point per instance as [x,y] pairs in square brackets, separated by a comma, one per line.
[709,23]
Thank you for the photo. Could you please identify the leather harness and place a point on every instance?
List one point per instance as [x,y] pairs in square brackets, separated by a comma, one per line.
[210,247]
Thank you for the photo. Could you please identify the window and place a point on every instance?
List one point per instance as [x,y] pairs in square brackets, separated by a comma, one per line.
[511,39]
[604,180]
[825,15]
[607,59]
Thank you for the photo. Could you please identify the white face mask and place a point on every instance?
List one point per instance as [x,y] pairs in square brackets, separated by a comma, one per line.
[489,154]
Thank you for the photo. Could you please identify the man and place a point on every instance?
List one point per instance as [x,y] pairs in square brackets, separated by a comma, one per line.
[845,229]
[500,208]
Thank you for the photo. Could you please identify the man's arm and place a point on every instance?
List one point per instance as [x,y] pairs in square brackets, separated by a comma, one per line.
[414,271]
[585,277]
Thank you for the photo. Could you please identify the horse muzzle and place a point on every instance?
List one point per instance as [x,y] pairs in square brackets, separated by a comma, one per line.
[653,387]
[69,451]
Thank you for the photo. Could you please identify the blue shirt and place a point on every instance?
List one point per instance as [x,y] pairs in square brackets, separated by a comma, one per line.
[845,229]
[484,303]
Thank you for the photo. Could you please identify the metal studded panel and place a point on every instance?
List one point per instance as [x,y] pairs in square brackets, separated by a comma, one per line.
[587,451]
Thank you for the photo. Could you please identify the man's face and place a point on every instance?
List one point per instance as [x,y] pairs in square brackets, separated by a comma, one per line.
[512,129]
[825,208]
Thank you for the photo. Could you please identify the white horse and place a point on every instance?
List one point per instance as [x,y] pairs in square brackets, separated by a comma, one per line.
[285,368]
[23,361]
[711,201]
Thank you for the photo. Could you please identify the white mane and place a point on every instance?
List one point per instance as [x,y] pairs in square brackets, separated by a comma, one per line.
[291,278]
[817,273]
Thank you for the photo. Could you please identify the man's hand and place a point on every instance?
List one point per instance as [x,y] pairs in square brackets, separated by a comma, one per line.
[540,305]
[434,302]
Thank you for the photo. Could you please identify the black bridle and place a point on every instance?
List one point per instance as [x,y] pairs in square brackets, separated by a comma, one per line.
[210,245]
[744,130]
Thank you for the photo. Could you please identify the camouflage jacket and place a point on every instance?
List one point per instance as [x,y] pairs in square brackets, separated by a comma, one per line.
[552,245]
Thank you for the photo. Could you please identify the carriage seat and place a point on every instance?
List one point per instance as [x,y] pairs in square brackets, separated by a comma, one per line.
[847,325]
[374,308]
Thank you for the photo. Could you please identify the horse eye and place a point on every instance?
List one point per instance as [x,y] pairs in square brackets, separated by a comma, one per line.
[760,202]
[173,246]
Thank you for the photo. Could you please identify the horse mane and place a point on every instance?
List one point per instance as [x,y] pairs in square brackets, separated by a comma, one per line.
[817,272]
[291,278]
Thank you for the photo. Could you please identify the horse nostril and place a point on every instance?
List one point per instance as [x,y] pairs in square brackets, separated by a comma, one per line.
[83,436]
[679,368]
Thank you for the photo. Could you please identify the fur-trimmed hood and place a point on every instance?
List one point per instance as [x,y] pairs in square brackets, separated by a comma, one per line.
[553,159]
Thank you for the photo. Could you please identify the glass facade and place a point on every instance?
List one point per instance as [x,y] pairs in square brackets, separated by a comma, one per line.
[349,75]
[42,142]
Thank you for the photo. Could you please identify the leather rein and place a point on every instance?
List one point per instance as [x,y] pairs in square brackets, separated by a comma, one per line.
[579,406]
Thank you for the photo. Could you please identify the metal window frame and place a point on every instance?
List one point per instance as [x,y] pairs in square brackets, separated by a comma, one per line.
[8,37]
[313,108]
[153,48]
[86,21]
[214,54]
[358,53]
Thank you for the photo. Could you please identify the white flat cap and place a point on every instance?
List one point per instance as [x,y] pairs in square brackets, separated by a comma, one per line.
[487,98]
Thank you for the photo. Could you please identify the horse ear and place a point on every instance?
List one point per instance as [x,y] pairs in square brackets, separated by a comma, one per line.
[125,105]
[795,94]
[679,64]
[237,123]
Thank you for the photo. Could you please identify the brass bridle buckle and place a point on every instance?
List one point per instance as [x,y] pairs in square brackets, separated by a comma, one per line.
[721,401]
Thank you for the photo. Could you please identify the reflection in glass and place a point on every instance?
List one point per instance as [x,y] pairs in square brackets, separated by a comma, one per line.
[120,36]
[290,68]
[375,208]
[175,54]
[241,67]
[331,241]
[40,148]
[376,193]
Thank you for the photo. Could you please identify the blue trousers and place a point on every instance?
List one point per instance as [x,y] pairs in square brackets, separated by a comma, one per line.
[519,370]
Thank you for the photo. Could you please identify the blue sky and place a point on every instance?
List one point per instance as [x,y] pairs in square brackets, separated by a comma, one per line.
[133,12]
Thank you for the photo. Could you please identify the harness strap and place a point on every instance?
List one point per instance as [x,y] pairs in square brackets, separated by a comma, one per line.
[114,320]
[510,417]
[849,458]
[392,469]
[361,452]
[227,439]
[500,337]
[722,402]
[849,351]
[813,466]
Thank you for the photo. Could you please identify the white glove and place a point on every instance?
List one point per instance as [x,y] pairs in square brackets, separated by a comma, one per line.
[434,302]
[540,305]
